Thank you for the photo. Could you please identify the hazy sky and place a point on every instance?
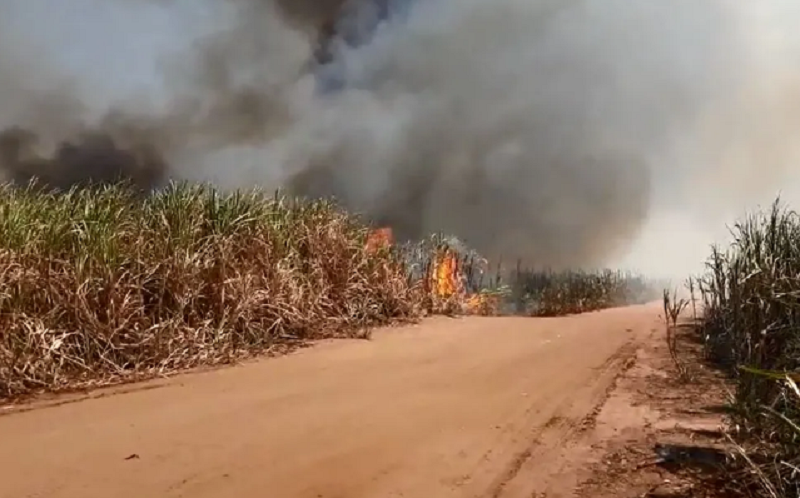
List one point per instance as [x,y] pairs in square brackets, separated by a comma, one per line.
[114,46]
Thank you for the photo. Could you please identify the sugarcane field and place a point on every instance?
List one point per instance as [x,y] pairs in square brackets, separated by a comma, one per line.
[399,248]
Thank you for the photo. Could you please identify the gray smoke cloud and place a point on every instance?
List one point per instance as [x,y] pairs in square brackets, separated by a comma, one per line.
[554,131]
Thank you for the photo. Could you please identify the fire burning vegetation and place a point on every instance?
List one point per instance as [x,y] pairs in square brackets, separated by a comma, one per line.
[111,272]
[101,286]
[549,139]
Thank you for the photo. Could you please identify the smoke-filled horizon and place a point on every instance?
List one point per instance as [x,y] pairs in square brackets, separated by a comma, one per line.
[567,133]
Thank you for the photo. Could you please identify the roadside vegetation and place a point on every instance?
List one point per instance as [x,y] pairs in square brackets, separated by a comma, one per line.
[557,293]
[101,286]
[750,298]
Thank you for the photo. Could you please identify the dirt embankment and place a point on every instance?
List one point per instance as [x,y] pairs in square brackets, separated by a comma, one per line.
[477,407]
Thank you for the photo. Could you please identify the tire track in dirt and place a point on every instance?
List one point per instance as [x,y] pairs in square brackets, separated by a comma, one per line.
[561,428]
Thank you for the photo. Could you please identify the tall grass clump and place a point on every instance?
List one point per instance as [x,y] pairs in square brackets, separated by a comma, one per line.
[751,323]
[556,293]
[99,285]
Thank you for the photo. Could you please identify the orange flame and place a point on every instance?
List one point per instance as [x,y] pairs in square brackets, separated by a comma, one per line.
[448,283]
[380,238]
[445,275]
[481,304]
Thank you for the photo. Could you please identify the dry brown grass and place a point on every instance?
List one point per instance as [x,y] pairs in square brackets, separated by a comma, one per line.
[558,293]
[98,287]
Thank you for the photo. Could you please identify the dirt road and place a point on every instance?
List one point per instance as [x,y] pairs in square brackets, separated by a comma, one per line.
[471,407]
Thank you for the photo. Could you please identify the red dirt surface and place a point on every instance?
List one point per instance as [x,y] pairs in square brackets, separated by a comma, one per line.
[470,407]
